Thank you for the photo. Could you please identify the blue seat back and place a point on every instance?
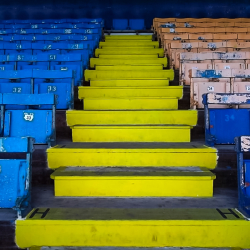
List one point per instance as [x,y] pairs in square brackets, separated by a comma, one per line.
[120,24]
[58,82]
[136,24]
[242,147]
[222,125]
[36,123]
[15,173]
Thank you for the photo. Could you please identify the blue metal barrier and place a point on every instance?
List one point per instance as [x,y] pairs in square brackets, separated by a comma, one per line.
[29,121]
[15,174]
[58,82]
[223,125]
[120,24]
[136,24]
[242,145]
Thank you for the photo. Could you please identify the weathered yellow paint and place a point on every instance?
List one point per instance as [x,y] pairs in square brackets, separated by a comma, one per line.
[118,92]
[129,56]
[129,103]
[129,74]
[129,43]
[131,133]
[167,155]
[131,117]
[123,183]
[129,51]
[112,227]
[129,67]
[129,83]
[129,37]
[132,61]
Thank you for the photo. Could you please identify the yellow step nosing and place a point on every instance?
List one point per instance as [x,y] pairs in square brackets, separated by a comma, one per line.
[131,127]
[125,88]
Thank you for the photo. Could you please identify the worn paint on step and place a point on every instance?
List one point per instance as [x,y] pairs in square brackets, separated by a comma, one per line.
[133,228]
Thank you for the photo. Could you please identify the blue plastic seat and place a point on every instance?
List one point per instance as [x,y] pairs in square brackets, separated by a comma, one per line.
[17,48]
[120,24]
[222,125]
[58,82]
[69,62]
[136,24]
[17,82]
[15,177]
[30,120]
[243,169]
[52,48]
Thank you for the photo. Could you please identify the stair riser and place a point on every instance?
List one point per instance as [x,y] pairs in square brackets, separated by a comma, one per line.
[134,61]
[130,67]
[129,104]
[130,135]
[134,187]
[129,74]
[129,51]
[129,92]
[127,158]
[124,38]
[186,117]
[129,83]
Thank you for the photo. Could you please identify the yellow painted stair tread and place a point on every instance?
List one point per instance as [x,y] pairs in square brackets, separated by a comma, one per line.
[118,92]
[131,117]
[122,61]
[129,56]
[130,67]
[129,37]
[129,43]
[130,103]
[130,51]
[111,46]
[136,227]
[131,133]
[129,83]
[131,155]
[121,182]
[128,74]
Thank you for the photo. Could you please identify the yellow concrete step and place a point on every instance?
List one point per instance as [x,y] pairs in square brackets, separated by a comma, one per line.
[129,56]
[134,61]
[129,43]
[131,155]
[118,92]
[130,51]
[129,74]
[132,117]
[120,182]
[130,103]
[134,227]
[129,67]
[131,133]
[129,37]
[129,83]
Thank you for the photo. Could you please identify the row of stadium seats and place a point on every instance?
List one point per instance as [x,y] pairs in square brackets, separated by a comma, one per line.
[47,61]
[53,37]
[32,87]
[54,21]
[128,24]
[198,22]
[58,82]
[7,48]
